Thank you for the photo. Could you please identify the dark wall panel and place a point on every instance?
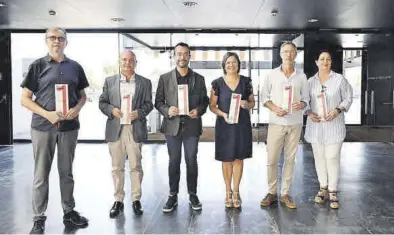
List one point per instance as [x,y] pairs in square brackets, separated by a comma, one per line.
[380,85]
[5,89]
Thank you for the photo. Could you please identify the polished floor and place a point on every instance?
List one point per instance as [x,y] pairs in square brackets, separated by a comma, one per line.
[366,194]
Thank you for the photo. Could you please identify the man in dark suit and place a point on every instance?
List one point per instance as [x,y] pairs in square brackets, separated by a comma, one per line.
[126,137]
[180,129]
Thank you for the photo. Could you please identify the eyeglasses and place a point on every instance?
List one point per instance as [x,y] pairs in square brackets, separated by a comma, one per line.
[187,54]
[126,60]
[53,39]
[288,52]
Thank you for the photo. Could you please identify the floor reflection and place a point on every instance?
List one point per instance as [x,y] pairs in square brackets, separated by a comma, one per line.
[366,192]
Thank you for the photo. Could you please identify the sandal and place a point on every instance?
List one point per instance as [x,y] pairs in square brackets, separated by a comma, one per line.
[321,196]
[334,204]
[237,200]
[228,203]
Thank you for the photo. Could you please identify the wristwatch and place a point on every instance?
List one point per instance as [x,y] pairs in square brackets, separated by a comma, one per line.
[339,110]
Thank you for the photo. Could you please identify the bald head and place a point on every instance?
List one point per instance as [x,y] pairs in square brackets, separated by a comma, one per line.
[127,53]
[127,62]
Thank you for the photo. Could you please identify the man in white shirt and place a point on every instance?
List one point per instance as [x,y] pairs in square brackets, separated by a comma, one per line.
[285,94]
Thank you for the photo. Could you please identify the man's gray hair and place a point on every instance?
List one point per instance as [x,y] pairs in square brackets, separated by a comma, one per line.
[125,50]
[51,29]
[288,43]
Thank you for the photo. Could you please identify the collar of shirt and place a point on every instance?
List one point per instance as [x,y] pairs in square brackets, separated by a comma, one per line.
[49,58]
[280,70]
[316,76]
[123,78]
[178,75]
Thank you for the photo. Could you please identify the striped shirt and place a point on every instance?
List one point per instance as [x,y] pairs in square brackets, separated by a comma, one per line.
[273,91]
[339,94]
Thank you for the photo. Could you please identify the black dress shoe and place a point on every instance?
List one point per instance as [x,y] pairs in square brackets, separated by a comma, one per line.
[137,208]
[74,220]
[116,209]
[38,227]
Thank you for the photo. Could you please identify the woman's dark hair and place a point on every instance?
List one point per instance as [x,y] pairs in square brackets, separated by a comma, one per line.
[225,58]
[322,51]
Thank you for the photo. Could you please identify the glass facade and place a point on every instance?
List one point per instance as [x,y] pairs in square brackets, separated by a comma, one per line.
[98,54]
[352,71]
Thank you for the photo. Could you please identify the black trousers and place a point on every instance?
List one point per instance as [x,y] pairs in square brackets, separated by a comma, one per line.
[174,146]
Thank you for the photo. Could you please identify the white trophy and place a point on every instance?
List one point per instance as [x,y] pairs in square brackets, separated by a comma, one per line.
[287,100]
[183,99]
[321,106]
[235,105]
[61,96]
[125,108]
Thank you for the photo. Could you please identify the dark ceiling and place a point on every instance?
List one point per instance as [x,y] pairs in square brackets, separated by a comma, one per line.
[349,23]
[372,15]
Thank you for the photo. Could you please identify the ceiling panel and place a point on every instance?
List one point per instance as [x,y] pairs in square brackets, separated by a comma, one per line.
[341,14]
[215,13]
[207,14]
[84,14]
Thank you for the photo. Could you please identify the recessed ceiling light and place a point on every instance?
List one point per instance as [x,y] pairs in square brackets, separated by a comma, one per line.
[387,34]
[52,12]
[2,4]
[313,20]
[189,3]
[117,19]
[274,12]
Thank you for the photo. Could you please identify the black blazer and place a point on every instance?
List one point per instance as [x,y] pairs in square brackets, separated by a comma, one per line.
[167,95]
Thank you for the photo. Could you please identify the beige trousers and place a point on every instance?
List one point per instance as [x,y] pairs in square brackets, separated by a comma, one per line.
[118,150]
[280,136]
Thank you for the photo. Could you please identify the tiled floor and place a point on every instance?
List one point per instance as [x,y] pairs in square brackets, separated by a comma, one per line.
[366,194]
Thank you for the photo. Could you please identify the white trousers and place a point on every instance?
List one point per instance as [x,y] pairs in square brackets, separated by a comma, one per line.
[327,158]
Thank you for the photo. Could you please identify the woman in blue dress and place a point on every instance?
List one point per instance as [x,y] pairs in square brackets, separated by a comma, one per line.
[233,142]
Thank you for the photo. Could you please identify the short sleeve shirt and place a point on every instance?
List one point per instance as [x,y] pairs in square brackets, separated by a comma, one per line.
[41,79]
